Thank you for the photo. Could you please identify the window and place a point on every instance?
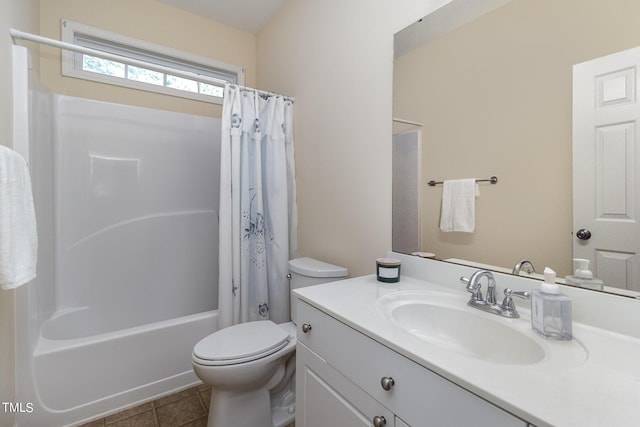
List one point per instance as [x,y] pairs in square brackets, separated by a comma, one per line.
[205,79]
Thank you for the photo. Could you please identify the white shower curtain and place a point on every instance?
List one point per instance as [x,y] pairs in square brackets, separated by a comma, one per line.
[258,215]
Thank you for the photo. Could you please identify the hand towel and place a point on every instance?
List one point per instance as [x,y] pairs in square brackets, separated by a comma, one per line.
[458,212]
[18,234]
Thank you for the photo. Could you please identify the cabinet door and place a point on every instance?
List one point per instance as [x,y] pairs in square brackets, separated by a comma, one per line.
[325,397]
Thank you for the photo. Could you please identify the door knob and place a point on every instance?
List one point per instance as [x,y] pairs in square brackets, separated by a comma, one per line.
[583,234]
[306,328]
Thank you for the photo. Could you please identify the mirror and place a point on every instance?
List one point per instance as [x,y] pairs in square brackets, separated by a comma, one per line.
[492,88]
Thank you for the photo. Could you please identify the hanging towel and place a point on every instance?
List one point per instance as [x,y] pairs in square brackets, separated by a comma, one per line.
[458,205]
[18,235]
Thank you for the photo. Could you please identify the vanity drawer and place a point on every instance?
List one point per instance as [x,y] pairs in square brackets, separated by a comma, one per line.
[418,396]
[325,397]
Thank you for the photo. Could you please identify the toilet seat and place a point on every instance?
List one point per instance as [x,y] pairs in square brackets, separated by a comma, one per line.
[241,343]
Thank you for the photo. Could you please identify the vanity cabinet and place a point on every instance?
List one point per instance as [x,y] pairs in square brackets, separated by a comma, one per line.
[345,378]
[328,398]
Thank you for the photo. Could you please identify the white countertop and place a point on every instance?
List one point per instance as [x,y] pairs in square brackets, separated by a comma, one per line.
[599,390]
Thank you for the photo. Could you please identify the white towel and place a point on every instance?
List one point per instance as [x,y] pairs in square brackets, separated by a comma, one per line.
[458,211]
[18,234]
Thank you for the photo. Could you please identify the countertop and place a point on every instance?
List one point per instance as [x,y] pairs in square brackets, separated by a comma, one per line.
[597,387]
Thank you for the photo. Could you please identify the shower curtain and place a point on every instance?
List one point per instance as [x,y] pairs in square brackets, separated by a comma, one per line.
[258,215]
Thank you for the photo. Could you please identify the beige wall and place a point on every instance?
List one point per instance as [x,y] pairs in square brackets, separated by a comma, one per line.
[495,98]
[21,14]
[336,58]
[151,21]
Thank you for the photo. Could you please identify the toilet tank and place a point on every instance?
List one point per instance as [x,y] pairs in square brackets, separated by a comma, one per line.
[307,272]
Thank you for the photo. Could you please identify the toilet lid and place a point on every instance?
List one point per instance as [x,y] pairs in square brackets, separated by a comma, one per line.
[240,343]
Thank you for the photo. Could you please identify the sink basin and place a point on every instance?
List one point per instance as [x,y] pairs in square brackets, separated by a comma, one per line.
[445,321]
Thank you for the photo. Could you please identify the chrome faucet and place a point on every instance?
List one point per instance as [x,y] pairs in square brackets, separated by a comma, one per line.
[475,287]
[490,305]
[523,263]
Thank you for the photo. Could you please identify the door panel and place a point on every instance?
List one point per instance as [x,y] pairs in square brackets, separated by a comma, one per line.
[606,167]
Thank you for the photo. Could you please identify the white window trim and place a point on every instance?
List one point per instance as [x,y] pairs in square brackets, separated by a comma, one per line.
[69,30]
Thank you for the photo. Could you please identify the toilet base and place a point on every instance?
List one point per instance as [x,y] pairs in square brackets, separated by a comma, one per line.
[282,416]
[283,401]
[229,409]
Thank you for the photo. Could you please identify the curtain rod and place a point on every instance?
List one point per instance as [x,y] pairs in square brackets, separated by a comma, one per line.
[264,92]
[17,34]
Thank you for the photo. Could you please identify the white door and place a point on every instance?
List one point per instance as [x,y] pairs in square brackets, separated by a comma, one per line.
[606,167]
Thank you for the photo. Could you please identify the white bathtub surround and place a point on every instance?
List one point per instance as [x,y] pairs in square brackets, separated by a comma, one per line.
[595,386]
[126,201]
[258,219]
[18,232]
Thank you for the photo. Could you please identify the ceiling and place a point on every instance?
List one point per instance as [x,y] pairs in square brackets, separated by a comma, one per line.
[245,15]
[449,17]
[252,15]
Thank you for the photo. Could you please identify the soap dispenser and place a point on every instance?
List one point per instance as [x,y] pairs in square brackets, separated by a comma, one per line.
[583,277]
[551,309]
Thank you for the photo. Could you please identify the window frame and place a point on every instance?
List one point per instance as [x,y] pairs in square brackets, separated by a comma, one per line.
[75,33]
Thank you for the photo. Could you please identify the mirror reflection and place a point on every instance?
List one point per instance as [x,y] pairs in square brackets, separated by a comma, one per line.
[488,92]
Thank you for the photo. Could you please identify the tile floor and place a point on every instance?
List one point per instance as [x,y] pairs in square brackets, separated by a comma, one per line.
[187,408]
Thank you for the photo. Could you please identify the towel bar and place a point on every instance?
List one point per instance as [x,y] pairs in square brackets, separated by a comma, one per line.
[492,180]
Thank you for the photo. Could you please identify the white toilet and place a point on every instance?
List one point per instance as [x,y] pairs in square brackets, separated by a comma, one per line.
[251,366]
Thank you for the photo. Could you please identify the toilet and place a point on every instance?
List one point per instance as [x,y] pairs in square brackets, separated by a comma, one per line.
[251,366]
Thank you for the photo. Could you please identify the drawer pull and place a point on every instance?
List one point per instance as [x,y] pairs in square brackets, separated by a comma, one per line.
[379,421]
[387,383]
[306,328]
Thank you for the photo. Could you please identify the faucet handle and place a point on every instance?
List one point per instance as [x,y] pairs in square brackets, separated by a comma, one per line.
[473,288]
[519,294]
[508,306]
[464,280]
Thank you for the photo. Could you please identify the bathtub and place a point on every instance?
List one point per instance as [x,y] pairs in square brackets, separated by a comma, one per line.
[82,378]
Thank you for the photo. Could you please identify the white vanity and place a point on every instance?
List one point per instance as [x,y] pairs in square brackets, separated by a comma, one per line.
[414,354]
